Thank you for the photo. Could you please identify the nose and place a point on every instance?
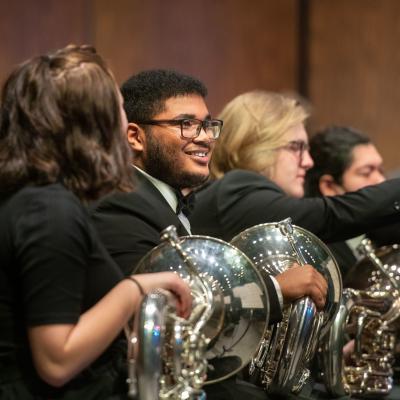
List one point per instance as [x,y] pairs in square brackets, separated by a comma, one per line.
[306,160]
[204,136]
[377,177]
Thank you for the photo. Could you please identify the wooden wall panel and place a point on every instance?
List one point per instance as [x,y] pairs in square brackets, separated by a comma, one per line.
[232,45]
[28,28]
[354,68]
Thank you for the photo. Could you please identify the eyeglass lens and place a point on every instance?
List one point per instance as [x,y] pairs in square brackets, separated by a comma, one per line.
[192,128]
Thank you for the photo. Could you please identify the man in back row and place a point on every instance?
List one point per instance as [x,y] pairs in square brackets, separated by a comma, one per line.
[172,136]
[345,160]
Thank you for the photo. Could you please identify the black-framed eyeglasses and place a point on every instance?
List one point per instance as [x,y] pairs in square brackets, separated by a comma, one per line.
[190,127]
[297,147]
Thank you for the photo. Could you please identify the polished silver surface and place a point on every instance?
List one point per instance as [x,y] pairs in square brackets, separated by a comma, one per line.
[370,318]
[330,356]
[379,273]
[230,305]
[283,358]
[366,369]
[150,334]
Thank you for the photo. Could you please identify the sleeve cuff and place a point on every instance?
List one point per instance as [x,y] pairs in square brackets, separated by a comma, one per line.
[278,291]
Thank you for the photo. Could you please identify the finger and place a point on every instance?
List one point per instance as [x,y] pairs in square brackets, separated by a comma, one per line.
[318,297]
[319,303]
[295,265]
[182,291]
[322,279]
[317,279]
[184,308]
[321,286]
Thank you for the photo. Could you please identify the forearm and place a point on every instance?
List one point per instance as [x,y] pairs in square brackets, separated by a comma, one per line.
[62,351]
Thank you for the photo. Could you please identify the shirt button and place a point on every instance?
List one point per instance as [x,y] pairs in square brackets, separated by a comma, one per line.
[396,205]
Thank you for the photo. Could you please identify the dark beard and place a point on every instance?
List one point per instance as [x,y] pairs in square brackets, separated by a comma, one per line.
[161,164]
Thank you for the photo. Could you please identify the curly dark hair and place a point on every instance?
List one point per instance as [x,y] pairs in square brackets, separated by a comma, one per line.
[60,121]
[146,92]
[332,152]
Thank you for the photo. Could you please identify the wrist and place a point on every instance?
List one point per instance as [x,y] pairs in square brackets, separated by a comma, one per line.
[138,284]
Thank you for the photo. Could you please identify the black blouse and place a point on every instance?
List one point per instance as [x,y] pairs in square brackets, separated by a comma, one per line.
[52,266]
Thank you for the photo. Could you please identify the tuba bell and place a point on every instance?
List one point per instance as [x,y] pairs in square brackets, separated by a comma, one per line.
[229,316]
[368,316]
[281,364]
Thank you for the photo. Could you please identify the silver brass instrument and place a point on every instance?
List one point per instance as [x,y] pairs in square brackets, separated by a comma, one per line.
[230,312]
[369,315]
[160,334]
[281,364]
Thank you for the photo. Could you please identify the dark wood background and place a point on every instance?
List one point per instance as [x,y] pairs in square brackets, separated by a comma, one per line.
[341,54]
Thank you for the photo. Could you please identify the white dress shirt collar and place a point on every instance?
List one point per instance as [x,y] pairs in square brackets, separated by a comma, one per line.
[169,195]
[167,191]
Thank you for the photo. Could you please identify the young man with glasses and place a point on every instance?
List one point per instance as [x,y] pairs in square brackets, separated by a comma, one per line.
[172,136]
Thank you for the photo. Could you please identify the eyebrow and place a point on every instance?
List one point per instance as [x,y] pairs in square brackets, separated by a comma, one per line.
[190,116]
[369,167]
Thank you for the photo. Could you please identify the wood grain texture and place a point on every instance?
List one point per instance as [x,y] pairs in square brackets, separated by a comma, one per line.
[354,68]
[351,63]
[232,45]
[29,28]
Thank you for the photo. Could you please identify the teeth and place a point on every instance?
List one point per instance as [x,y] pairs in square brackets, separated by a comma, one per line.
[199,154]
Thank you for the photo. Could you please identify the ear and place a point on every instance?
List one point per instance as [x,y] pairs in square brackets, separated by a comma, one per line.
[328,186]
[136,137]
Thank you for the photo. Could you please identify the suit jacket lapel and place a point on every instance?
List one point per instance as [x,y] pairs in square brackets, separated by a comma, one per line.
[154,196]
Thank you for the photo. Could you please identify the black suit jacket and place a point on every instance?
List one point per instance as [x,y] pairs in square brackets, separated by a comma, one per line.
[130,224]
[242,199]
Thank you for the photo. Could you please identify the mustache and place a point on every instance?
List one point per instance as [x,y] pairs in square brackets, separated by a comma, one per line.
[201,147]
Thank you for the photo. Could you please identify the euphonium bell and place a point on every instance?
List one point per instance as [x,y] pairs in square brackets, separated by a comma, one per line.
[230,312]
[281,364]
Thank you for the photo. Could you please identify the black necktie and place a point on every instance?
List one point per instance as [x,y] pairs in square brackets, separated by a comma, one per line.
[185,203]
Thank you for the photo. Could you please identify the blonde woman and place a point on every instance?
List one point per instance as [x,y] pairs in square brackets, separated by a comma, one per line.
[259,165]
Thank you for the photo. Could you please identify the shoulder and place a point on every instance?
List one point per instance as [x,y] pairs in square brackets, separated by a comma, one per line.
[247,178]
[143,197]
[144,208]
[48,214]
[53,199]
[239,181]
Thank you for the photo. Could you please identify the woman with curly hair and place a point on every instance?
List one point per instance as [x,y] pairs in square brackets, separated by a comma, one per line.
[63,302]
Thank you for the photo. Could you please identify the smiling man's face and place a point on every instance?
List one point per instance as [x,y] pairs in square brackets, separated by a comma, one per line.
[180,162]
